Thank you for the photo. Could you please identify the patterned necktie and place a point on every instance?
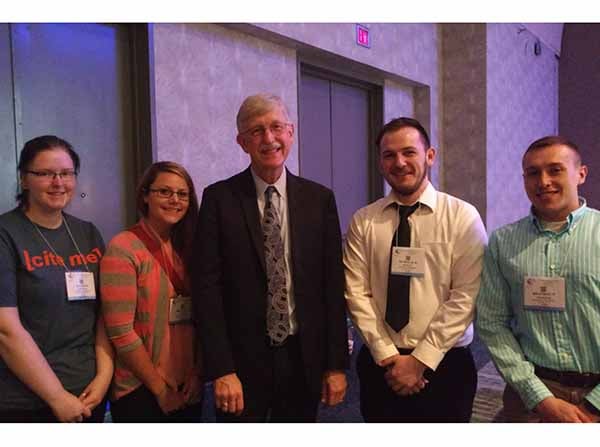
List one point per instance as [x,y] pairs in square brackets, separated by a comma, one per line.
[397,309]
[278,317]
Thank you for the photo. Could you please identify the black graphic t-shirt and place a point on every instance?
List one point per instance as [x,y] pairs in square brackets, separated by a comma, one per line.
[32,278]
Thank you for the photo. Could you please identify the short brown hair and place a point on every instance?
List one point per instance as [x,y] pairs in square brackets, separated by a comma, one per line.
[401,123]
[553,140]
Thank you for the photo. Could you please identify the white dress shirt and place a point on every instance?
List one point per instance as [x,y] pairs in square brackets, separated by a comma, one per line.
[280,203]
[442,300]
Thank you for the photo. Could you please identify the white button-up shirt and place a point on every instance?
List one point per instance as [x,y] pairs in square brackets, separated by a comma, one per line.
[442,300]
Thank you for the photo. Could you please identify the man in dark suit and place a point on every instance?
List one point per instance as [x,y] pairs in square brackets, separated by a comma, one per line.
[268,284]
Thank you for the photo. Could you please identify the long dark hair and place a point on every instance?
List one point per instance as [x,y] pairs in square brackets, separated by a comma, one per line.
[31,150]
[182,233]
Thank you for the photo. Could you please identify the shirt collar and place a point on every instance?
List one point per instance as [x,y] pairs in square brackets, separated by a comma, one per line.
[261,185]
[572,219]
[427,198]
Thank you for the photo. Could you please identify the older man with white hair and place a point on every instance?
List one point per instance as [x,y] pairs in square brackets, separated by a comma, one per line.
[268,282]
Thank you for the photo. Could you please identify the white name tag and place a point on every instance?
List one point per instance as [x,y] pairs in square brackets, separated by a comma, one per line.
[408,261]
[180,309]
[544,293]
[80,286]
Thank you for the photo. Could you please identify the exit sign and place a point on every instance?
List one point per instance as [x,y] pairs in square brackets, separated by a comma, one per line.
[362,36]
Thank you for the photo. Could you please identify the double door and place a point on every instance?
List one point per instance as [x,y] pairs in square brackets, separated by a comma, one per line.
[338,122]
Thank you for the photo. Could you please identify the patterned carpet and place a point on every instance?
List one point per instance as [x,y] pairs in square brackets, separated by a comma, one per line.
[488,399]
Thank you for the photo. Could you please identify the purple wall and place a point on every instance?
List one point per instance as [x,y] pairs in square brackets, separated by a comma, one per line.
[498,96]
[522,104]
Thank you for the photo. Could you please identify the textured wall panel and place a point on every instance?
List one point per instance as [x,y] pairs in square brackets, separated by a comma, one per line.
[464,112]
[203,73]
[522,104]
[405,49]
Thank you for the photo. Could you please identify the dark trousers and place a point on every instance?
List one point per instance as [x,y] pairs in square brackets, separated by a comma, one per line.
[45,415]
[141,406]
[286,399]
[448,397]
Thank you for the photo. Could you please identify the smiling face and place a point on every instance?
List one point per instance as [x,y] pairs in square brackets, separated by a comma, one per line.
[552,175]
[48,195]
[267,139]
[404,161]
[165,212]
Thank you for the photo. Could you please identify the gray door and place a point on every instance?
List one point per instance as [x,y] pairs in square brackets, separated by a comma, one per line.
[334,140]
[8,164]
[72,80]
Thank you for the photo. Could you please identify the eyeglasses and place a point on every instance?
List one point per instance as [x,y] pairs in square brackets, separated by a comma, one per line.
[276,129]
[167,193]
[48,176]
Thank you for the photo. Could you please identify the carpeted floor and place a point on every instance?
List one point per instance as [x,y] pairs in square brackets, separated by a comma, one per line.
[488,399]
[490,386]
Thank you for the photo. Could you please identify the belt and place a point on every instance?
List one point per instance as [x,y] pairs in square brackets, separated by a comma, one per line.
[568,378]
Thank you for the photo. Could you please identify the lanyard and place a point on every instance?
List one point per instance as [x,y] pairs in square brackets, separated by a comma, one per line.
[52,248]
[153,243]
[167,257]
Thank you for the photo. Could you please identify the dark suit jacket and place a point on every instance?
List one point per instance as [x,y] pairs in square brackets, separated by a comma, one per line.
[230,286]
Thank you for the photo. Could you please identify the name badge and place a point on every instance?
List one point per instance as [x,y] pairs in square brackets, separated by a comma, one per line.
[180,309]
[408,261]
[543,293]
[80,286]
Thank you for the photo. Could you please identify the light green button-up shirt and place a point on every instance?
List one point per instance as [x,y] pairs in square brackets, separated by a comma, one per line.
[518,338]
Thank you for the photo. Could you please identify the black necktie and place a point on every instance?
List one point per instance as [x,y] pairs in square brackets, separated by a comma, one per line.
[397,308]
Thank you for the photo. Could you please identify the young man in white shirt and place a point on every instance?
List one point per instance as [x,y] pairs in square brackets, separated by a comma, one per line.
[411,289]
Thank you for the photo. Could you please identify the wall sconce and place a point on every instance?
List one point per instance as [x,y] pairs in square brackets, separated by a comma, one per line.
[537,47]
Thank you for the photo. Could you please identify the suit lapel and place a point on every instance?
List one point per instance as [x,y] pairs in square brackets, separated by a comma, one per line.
[247,194]
[295,215]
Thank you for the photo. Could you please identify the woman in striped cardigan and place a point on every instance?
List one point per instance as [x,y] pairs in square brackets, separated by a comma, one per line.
[146,304]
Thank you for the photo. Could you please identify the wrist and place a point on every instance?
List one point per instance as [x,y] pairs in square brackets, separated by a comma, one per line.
[591,408]
[56,397]
[542,405]
[104,374]
[159,389]
[419,365]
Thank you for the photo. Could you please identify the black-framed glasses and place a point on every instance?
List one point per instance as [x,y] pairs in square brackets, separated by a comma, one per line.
[276,128]
[167,193]
[44,174]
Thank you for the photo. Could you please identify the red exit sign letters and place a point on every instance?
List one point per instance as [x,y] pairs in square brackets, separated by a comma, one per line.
[362,36]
